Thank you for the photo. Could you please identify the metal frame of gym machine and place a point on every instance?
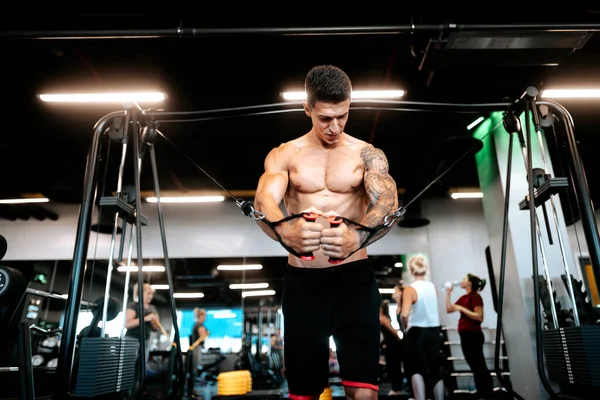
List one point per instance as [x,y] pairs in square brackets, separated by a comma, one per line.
[65,364]
[118,126]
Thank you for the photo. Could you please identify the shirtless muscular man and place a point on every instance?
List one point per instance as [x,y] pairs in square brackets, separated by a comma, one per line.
[328,173]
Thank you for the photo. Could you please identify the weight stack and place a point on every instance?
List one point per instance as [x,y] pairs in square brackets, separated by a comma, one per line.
[106,365]
[573,355]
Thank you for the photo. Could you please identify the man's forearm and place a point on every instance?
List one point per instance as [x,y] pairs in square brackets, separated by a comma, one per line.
[272,213]
[385,205]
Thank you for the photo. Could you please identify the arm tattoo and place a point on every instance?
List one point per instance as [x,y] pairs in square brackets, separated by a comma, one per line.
[381,191]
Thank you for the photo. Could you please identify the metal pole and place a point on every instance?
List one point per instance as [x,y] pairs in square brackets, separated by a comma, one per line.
[140,259]
[111,251]
[525,153]
[588,217]
[167,265]
[534,258]
[26,383]
[561,244]
[50,288]
[126,284]
[181,32]
[67,346]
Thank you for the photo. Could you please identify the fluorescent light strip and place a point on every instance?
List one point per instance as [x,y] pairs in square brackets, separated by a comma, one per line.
[148,268]
[571,93]
[160,287]
[245,267]
[222,314]
[386,290]
[475,123]
[255,293]
[197,295]
[467,195]
[356,94]
[187,199]
[25,201]
[141,97]
[263,285]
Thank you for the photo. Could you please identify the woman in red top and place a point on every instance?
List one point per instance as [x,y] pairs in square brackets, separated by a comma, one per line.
[470,306]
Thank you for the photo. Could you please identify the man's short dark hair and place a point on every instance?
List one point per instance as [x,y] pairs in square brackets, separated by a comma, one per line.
[327,83]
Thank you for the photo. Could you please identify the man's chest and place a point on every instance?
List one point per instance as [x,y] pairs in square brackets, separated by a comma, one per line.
[336,170]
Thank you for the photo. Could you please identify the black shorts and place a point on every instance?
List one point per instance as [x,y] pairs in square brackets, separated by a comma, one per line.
[341,301]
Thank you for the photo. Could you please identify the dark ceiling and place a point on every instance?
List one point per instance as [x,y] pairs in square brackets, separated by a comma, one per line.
[225,64]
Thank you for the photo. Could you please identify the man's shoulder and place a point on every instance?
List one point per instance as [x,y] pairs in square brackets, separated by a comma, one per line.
[353,140]
[359,144]
[285,147]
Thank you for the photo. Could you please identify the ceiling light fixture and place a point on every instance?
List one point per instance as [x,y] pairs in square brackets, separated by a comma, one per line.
[191,295]
[244,267]
[571,93]
[262,285]
[222,314]
[255,293]
[25,200]
[160,287]
[147,268]
[356,94]
[386,290]
[467,195]
[97,98]
[187,199]
[474,123]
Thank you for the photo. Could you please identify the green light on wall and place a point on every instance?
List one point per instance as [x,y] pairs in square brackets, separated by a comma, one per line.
[486,156]
[41,278]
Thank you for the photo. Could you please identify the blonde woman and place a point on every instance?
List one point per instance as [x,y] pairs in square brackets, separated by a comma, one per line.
[420,317]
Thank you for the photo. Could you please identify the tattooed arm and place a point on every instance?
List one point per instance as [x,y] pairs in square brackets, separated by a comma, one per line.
[381,191]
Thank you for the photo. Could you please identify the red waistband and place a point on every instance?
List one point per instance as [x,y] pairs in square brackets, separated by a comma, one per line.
[360,385]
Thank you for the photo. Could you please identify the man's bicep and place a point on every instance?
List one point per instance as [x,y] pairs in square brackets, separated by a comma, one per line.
[273,183]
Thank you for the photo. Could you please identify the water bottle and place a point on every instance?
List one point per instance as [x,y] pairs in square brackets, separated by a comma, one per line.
[449,285]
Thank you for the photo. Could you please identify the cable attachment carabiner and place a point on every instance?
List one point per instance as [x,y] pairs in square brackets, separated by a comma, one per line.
[248,210]
[390,219]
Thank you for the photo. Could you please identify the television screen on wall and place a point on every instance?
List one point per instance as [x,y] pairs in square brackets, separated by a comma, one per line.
[226,327]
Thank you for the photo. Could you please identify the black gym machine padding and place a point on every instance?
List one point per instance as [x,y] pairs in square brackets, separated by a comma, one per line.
[12,292]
